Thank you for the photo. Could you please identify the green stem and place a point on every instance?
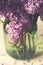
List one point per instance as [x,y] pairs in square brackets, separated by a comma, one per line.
[34,47]
[29,43]
[24,42]
[17,51]
[15,45]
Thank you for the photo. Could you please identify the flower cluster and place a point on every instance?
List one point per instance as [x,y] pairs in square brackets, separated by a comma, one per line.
[20,14]
[14,31]
[16,26]
[32,6]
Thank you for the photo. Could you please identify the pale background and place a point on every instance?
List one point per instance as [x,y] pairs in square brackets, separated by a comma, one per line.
[5,59]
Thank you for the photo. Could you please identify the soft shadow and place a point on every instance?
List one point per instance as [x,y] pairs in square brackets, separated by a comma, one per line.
[36,55]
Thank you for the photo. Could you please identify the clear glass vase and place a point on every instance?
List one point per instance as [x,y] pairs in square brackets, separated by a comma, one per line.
[30,45]
[24,49]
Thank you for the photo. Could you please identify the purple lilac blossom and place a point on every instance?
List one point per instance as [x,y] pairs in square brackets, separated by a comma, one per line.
[11,6]
[14,11]
[32,6]
[8,6]
[14,31]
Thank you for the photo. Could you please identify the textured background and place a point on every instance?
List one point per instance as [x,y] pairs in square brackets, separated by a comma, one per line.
[5,59]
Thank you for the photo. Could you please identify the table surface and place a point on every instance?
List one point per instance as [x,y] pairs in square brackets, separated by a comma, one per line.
[5,59]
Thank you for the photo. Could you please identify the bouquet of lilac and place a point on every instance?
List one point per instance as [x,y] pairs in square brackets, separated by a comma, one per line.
[21,19]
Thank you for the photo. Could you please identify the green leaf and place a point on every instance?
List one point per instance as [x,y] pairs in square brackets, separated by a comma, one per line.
[4,24]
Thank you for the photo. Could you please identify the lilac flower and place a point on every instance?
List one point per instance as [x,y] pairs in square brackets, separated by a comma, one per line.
[11,6]
[32,6]
[20,13]
[8,6]
[14,31]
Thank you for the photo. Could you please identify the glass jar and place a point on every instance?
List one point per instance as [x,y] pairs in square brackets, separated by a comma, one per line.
[25,48]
